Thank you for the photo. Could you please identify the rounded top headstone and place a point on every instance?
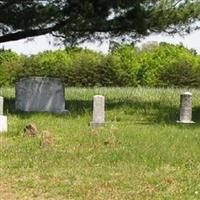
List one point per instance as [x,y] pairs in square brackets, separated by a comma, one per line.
[40,79]
[187,93]
[96,96]
[1,98]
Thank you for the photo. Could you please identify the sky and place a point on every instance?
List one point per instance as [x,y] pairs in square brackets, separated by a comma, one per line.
[41,43]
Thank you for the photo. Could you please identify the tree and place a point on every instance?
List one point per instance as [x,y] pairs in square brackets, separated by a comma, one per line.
[75,21]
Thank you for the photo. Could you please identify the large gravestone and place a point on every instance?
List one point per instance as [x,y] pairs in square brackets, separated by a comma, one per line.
[39,94]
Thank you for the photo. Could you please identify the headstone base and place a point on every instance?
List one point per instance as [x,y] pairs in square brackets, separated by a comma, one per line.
[95,124]
[3,124]
[185,122]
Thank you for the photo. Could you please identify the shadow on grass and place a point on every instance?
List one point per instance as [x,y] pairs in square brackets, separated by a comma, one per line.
[196,114]
[153,111]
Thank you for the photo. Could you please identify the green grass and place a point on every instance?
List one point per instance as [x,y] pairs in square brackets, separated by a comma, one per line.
[140,154]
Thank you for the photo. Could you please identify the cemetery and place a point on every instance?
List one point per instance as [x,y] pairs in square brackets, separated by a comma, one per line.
[100,100]
[107,135]
[77,124]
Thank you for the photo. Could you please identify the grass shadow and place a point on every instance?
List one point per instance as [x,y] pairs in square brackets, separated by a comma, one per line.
[196,114]
[153,111]
[9,105]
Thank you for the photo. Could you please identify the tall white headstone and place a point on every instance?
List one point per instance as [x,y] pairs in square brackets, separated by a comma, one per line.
[3,119]
[186,108]
[98,111]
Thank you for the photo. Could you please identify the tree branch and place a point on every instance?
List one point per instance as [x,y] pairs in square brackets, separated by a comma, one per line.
[37,32]
[30,33]
[22,34]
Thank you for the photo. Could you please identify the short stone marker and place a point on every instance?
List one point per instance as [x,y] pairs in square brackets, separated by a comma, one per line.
[1,105]
[186,108]
[98,111]
[3,119]
[40,94]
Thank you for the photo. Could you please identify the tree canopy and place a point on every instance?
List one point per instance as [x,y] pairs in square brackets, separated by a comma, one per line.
[75,21]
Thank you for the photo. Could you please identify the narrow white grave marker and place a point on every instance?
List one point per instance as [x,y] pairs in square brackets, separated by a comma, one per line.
[98,111]
[186,108]
[1,105]
[3,119]
[3,124]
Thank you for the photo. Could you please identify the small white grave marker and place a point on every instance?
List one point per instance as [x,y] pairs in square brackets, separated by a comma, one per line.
[98,111]
[3,119]
[186,108]
[3,124]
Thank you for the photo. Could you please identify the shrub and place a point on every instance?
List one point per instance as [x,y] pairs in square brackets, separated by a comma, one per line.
[154,63]
[154,66]
[83,70]
[6,55]
[8,67]
[73,66]
[128,64]
[180,73]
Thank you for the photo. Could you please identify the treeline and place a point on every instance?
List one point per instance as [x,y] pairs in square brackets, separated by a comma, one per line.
[154,65]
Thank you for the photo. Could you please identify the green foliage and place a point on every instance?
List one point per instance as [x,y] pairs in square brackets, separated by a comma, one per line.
[181,73]
[8,67]
[51,64]
[6,55]
[75,21]
[128,62]
[83,71]
[161,59]
[78,67]
[155,65]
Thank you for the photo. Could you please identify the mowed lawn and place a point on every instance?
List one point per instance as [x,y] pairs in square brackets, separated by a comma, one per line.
[141,153]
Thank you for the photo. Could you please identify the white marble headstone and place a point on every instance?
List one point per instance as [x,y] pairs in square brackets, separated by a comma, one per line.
[186,108]
[3,119]
[98,111]
[3,124]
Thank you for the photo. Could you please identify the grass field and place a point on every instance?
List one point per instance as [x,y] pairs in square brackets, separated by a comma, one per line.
[141,153]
